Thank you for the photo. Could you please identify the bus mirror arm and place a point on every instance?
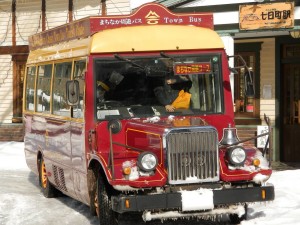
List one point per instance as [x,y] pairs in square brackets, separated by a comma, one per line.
[72,89]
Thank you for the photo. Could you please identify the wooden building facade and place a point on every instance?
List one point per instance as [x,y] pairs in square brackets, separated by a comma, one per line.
[18,20]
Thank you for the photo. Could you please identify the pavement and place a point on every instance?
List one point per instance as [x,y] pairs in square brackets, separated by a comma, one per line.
[280,166]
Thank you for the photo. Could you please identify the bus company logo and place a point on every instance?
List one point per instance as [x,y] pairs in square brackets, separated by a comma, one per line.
[152,18]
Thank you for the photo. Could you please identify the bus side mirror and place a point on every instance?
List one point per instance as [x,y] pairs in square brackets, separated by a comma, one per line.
[249,86]
[72,87]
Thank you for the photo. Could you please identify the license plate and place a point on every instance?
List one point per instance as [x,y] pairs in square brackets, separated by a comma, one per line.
[201,199]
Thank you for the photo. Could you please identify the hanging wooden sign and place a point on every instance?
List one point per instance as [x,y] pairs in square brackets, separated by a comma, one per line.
[266,16]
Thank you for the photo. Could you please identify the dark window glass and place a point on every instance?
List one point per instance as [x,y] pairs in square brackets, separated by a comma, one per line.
[141,87]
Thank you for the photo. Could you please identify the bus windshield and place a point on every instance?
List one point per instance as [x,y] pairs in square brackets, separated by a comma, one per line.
[129,87]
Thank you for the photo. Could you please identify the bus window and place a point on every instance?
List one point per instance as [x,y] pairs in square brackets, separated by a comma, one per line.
[30,80]
[43,88]
[142,83]
[62,73]
[79,71]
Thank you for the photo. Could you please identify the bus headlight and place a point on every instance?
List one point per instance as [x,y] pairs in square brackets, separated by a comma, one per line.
[236,156]
[147,161]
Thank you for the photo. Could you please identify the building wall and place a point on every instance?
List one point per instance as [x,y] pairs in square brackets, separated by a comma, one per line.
[6,92]
[28,20]
[5,23]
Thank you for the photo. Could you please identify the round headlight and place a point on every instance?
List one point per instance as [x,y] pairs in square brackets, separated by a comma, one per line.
[147,161]
[237,156]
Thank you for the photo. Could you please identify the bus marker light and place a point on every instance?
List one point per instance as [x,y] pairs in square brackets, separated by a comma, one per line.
[126,170]
[127,204]
[263,194]
[256,162]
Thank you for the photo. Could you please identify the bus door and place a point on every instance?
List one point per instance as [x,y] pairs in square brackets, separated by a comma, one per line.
[78,157]
[58,144]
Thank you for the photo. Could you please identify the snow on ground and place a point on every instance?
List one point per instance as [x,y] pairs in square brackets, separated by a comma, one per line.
[21,202]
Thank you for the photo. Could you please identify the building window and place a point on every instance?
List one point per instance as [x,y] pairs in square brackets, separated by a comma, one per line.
[247,107]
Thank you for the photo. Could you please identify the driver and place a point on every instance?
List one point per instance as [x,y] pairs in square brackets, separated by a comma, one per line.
[167,93]
[109,84]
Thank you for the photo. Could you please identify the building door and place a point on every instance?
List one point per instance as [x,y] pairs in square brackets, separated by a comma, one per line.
[290,121]
[19,64]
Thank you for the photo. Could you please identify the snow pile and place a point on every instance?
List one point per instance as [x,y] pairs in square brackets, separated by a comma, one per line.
[285,209]
[12,156]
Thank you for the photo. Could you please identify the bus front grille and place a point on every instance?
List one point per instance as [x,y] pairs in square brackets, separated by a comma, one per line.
[192,155]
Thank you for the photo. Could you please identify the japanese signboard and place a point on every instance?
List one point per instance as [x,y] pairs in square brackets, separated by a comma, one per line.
[153,14]
[267,16]
[192,68]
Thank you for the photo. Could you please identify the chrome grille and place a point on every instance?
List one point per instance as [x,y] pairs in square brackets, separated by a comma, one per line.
[192,155]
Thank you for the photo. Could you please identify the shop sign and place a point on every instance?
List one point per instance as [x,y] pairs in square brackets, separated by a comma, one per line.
[267,16]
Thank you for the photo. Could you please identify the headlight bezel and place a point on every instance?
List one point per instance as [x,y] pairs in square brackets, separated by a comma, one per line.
[236,156]
[141,161]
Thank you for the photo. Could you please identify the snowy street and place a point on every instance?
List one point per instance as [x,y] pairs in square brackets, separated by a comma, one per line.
[22,203]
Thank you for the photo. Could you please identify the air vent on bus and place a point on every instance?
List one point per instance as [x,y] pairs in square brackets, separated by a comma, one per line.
[192,155]
[59,178]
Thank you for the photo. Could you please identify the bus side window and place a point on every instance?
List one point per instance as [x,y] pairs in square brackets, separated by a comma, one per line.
[62,73]
[30,92]
[79,72]
[43,88]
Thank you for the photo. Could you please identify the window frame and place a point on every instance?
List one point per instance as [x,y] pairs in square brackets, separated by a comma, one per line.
[245,50]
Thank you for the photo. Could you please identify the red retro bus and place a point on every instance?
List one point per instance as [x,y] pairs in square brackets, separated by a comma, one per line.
[134,114]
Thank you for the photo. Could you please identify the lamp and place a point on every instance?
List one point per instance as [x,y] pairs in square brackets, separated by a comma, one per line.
[295,33]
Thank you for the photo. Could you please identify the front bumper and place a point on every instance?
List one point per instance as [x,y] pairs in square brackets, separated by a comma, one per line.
[169,201]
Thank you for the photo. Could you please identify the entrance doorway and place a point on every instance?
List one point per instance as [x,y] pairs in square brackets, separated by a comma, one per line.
[290,119]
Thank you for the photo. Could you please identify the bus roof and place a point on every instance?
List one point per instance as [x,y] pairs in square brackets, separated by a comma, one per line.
[151,28]
[155,38]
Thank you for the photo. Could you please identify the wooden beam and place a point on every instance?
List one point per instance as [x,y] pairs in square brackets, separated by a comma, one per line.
[43,15]
[103,7]
[14,50]
[13,10]
[70,13]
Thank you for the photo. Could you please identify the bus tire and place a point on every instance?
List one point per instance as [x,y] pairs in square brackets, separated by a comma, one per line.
[103,204]
[47,188]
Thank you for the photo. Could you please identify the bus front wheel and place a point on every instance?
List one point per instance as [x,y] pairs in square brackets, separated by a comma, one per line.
[47,188]
[103,204]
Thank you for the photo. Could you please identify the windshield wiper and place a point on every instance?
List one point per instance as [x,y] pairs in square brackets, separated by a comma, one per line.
[167,56]
[129,61]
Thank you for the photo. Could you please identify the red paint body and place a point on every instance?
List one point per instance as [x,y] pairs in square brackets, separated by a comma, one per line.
[73,147]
